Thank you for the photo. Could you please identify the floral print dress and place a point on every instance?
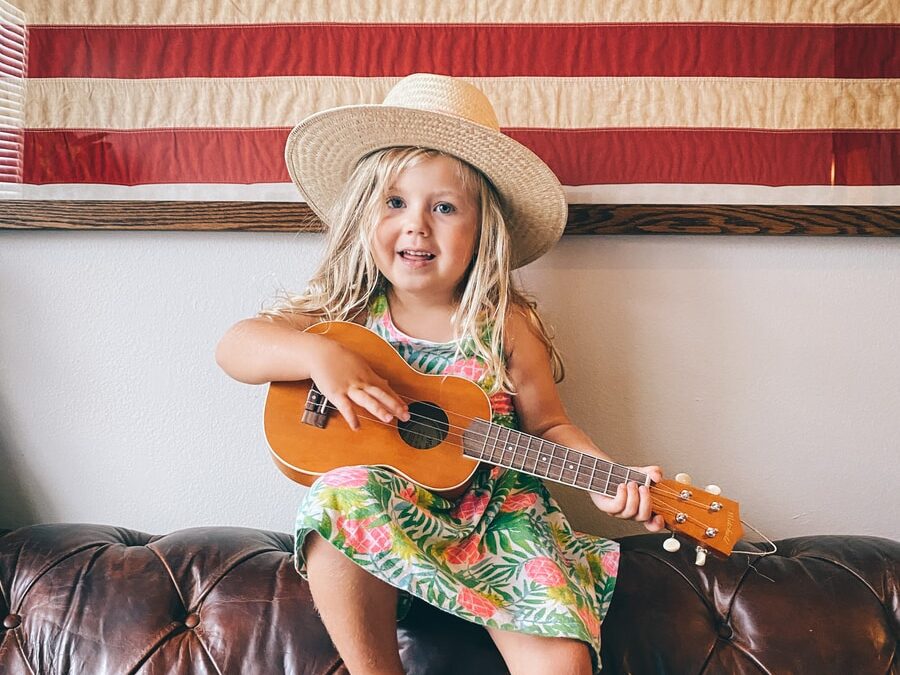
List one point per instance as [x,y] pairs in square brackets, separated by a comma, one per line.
[501,555]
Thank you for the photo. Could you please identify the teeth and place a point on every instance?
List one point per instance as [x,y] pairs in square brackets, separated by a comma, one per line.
[418,254]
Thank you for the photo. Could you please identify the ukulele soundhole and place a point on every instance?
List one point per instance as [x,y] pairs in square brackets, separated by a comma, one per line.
[427,427]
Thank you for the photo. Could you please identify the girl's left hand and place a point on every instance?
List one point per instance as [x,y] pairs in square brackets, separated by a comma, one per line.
[632,501]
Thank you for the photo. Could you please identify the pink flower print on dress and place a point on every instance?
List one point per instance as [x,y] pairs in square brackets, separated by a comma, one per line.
[466,552]
[363,539]
[346,477]
[471,369]
[545,572]
[475,603]
[501,403]
[470,507]
[409,494]
[518,502]
[610,562]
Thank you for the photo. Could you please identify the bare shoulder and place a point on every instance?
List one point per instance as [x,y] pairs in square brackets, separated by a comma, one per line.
[520,333]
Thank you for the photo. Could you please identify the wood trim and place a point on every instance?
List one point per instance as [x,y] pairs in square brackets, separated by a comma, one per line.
[604,219]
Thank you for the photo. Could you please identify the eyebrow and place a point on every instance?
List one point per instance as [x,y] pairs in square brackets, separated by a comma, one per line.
[439,193]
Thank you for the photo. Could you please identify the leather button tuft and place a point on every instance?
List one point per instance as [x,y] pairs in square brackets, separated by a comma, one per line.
[725,631]
[191,620]
[12,621]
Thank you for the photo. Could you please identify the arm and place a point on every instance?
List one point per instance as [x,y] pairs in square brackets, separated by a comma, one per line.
[542,414]
[260,350]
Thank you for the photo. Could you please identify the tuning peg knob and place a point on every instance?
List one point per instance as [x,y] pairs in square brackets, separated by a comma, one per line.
[700,560]
[683,478]
[713,489]
[671,544]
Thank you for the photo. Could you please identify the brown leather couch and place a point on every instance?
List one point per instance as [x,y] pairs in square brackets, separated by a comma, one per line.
[96,599]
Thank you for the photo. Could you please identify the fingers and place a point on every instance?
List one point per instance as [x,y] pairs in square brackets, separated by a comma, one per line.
[653,471]
[345,408]
[623,505]
[382,404]
[390,402]
[631,502]
[655,524]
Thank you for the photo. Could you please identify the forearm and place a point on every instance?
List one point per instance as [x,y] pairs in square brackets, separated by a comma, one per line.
[256,351]
[571,436]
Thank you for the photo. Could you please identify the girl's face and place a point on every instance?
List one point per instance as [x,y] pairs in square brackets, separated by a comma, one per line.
[426,236]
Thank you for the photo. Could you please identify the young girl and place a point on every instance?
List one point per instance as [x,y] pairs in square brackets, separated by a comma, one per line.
[429,208]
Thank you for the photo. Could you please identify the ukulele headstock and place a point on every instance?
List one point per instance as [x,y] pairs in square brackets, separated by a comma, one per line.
[703,515]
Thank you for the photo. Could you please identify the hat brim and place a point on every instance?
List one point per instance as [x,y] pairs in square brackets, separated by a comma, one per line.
[322,151]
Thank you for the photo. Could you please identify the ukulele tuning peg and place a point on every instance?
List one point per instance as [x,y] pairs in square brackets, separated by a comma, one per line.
[683,478]
[700,560]
[713,489]
[671,544]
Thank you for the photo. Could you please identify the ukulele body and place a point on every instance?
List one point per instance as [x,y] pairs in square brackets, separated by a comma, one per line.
[441,407]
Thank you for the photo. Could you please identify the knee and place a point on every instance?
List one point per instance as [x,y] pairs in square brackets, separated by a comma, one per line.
[319,552]
[525,654]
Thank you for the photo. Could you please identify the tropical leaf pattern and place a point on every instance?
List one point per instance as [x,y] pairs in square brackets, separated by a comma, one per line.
[501,555]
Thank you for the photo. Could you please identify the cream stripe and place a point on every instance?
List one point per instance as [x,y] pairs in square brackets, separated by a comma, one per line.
[653,193]
[11,13]
[162,12]
[754,103]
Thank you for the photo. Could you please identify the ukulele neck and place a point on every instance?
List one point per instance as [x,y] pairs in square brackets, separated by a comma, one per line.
[502,446]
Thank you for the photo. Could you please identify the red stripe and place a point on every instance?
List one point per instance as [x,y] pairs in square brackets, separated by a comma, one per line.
[578,157]
[700,50]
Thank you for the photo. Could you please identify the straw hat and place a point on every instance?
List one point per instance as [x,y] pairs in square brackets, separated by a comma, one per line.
[442,113]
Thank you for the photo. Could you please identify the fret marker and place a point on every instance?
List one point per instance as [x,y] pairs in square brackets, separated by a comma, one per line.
[543,459]
[571,466]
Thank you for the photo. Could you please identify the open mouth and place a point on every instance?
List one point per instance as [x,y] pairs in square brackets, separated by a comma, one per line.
[411,254]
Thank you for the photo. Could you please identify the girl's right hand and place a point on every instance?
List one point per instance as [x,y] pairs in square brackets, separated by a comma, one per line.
[344,378]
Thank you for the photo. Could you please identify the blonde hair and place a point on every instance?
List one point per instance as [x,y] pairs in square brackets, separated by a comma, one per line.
[340,288]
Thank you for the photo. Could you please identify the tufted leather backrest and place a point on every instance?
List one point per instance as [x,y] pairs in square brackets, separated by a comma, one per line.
[93,599]
[96,599]
[826,604]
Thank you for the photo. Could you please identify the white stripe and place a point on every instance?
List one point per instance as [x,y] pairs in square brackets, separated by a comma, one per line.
[214,192]
[651,193]
[526,102]
[699,193]
[163,12]
[10,13]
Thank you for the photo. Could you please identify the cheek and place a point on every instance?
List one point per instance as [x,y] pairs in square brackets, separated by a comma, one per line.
[471,244]
[382,242]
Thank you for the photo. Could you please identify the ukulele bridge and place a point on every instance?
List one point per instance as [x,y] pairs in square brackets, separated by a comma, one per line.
[316,410]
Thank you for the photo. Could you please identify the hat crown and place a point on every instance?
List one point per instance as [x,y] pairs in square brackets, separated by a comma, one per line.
[445,95]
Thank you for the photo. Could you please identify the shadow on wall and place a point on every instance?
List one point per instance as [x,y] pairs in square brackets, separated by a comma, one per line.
[17,505]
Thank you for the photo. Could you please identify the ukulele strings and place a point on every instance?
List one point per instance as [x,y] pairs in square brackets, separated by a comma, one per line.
[428,423]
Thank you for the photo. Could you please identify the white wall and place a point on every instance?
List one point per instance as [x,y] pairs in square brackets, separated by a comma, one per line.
[767,365]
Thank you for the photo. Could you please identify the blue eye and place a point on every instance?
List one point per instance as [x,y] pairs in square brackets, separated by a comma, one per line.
[394,203]
[445,208]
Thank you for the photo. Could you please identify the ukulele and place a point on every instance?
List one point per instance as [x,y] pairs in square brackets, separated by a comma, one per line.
[449,434]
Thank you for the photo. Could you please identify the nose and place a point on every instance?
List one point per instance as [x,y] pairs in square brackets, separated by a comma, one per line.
[417,223]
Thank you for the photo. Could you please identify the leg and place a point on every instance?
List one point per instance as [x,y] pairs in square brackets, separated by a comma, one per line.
[359,611]
[525,653]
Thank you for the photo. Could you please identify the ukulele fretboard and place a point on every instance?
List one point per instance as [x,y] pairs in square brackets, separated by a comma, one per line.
[494,444]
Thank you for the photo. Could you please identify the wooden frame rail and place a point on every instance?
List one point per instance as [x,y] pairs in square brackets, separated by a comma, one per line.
[717,219]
